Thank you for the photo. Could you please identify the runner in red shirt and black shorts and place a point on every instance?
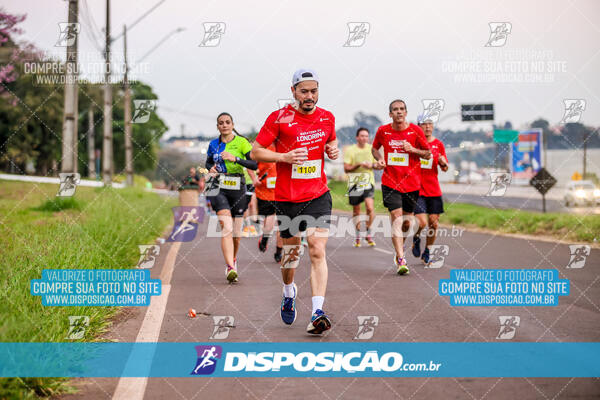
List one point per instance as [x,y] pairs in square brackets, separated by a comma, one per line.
[264,182]
[430,204]
[302,134]
[404,144]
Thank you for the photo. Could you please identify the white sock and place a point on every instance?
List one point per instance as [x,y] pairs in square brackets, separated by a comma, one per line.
[317,303]
[288,290]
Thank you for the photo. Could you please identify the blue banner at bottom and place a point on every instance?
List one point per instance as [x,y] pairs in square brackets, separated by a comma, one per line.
[299,359]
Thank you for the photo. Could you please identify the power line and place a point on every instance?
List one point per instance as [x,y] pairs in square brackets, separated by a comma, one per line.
[91,31]
[198,115]
[139,19]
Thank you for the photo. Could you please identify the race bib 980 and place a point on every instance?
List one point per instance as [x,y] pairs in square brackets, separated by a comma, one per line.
[307,170]
[398,159]
[427,164]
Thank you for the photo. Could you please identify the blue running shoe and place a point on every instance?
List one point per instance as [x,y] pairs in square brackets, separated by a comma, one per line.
[288,308]
[319,323]
[416,248]
[425,256]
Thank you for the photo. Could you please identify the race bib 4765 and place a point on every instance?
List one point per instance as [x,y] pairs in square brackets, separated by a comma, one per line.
[230,182]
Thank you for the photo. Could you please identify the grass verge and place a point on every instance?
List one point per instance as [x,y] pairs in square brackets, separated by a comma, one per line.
[97,228]
[568,227]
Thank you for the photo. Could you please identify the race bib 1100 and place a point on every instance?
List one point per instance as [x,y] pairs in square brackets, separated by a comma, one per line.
[307,170]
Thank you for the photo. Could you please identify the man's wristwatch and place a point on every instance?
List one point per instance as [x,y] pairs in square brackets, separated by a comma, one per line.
[237,159]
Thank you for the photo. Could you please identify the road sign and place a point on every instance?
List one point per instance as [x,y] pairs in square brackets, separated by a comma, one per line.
[477,112]
[543,181]
[526,155]
[505,136]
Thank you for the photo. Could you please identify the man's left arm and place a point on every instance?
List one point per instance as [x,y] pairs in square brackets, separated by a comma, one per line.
[331,148]
[422,147]
[442,159]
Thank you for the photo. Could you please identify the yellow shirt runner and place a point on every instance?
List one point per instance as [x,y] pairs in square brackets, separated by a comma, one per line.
[355,155]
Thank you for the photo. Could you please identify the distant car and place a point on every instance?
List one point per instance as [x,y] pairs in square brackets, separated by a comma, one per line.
[579,193]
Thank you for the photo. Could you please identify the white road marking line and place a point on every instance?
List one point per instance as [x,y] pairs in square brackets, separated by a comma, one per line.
[383,250]
[133,388]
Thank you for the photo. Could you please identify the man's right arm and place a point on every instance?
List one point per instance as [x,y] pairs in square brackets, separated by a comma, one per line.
[380,161]
[267,135]
[262,154]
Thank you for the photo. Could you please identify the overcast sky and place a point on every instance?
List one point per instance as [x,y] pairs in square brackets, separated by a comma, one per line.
[413,50]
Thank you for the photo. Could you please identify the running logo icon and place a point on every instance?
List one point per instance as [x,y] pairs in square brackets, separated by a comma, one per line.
[213,184]
[68,184]
[358,183]
[573,110]
[222,326]
[437,255]
[499,182]
[291,256]
[432,109]
[68,34]
[508,327]
[207,359]
[142,111]
[212,34]
[499,32]
[185,223]
[285,116]
[366,326]
[357,33]
[148,254]
[77,326]
[579,254]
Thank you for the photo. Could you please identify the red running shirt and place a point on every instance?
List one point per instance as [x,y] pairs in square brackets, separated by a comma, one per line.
[430,186]
[265,190]
[403,170]
[288,130]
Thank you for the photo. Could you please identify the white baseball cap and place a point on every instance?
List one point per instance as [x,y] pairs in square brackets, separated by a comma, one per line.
[424,118]
[304,74]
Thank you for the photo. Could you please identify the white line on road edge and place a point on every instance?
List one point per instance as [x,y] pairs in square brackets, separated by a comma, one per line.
[133,388]
[383,250]
[48,179]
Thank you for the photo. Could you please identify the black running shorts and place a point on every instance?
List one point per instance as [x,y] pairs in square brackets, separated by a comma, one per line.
[294,218]
[393,199]
[266,207]
[233,200]
[429,205]
[356,200]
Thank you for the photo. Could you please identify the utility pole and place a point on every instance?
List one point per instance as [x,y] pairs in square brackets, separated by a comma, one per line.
[182,126]
[585,139]
[107,162]
[127,112]
[69,133]
[91,142]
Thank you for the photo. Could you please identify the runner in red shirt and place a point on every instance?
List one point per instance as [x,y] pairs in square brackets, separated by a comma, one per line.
[430,204]
[264,182]
[403,146]
[302,134]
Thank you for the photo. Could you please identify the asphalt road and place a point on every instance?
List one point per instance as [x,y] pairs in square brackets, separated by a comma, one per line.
[362,281]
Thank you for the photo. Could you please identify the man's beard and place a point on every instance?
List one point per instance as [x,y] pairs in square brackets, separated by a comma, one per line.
[307,106]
